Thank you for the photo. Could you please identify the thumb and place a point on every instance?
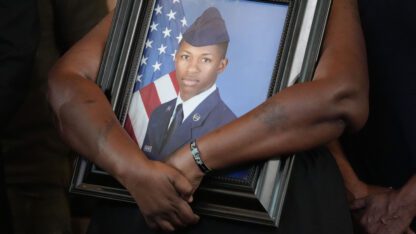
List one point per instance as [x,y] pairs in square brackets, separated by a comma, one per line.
[183,187]
[358,204]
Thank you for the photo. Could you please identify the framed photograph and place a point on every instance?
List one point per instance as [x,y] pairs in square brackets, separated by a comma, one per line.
[175,70]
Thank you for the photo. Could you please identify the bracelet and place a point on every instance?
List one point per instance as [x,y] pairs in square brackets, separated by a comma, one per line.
[197,157]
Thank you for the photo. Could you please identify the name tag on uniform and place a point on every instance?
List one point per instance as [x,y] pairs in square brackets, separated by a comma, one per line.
[147,148]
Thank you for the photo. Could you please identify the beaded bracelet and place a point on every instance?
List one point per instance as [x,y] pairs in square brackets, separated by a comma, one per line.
[197,157]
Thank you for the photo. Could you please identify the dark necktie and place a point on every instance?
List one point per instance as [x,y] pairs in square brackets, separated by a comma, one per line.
[176,122]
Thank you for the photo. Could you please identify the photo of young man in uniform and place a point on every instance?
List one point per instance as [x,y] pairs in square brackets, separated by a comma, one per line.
[198,109]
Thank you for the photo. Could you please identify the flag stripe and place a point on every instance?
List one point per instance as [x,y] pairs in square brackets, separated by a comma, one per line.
[174,81]
[165,89]
[138,118]
[150,97]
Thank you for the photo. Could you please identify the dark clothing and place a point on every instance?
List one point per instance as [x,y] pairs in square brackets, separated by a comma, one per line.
[384,152]
[210,114]
[18,41]
[5,215]
[37,163]
[315,204]
[35,153]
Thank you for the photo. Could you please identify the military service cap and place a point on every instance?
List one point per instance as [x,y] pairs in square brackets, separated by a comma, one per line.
[208,29]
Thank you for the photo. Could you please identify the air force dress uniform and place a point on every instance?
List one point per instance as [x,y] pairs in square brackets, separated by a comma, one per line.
[207,116]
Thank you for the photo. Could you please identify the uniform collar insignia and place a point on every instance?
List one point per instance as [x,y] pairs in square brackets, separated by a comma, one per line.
[196,117]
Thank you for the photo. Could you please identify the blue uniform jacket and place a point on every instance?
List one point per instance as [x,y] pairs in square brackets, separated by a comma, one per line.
[207,116]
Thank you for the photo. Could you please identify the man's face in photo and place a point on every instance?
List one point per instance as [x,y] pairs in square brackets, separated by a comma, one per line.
[197,68]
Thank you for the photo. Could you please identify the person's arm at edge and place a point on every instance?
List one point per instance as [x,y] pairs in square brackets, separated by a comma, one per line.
[87,123]
[302,116]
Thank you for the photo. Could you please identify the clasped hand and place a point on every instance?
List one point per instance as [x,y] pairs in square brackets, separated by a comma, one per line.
[163,195]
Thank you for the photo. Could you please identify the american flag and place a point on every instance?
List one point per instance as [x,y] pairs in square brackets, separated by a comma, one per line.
[156,82]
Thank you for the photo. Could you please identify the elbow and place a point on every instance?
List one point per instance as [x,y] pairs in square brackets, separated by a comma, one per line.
[356,113]
[351,101]
[59,87]
[54,96]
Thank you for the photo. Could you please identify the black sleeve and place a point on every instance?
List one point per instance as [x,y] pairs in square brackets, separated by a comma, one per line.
[19,37]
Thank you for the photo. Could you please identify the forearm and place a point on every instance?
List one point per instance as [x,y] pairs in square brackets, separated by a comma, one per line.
[84,116]
[87,123]
[355,187]
[297,119]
